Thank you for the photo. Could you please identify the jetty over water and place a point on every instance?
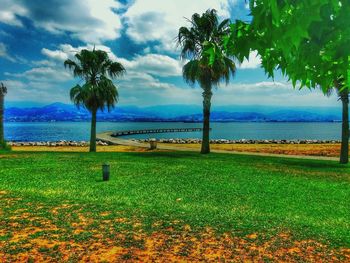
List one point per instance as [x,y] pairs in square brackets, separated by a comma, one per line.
[149,131]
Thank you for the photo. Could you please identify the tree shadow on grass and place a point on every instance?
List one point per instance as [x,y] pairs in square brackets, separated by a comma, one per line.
[175,155]
[100,181]
[313,164]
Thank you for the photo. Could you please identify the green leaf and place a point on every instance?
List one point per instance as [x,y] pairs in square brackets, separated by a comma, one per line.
[275,12]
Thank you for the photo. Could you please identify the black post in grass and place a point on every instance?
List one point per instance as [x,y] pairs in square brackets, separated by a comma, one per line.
[105,172]
[153,144]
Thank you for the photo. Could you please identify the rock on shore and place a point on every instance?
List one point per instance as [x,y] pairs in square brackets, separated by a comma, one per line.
[57,143]
[174,141]
[242,141]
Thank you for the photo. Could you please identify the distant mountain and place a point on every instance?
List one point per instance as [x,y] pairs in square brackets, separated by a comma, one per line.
[167,113]
[23,104]
[223,116]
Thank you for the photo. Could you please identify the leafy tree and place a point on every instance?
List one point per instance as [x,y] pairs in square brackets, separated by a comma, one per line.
[3,91]
[98,91]
[196,42]
[309,41]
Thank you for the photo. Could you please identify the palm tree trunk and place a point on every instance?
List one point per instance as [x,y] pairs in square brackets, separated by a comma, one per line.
[207,94]
[344,152]
[93,131]
[2,139]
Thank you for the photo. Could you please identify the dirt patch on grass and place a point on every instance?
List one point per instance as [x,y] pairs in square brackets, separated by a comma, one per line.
[164,246]
[69,233]
[328,150]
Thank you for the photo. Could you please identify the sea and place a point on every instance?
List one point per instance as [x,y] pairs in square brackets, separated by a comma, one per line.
[80,131]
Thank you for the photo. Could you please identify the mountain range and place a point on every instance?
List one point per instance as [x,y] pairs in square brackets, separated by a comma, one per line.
[172,113]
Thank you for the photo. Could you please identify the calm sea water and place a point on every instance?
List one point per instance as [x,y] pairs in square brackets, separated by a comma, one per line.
[79,131]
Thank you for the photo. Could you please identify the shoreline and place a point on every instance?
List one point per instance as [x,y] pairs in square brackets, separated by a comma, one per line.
[172,121]
[169,141]
[241,141]
[56,143]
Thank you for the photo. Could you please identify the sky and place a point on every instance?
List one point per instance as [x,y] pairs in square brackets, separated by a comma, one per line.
[36,37]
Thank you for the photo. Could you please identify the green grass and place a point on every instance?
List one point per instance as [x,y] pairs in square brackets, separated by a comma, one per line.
[235,193]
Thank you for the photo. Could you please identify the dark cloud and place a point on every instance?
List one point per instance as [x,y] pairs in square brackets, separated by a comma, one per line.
[64,12]
[89,21]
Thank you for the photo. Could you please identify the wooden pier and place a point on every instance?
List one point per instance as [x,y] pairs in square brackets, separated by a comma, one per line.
[135,132]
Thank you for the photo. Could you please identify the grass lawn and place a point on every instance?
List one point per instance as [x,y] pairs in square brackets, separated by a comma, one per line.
[172,205]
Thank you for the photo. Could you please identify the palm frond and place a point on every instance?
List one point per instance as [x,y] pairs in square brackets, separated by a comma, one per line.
[95,68]
[3,89]
[107,94]
[78,95]
[74,67]
[203,44]
[191,72]
[116,69]
[224,25]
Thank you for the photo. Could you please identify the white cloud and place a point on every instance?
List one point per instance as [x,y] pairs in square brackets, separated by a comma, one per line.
[4,34]
[66,51]
[89,20]
[44,62]
[55,54]
[48,75]
[154,20]
[270,93]
[34,91]
[262,93]
[143,90]
[9,12]
[44,74]
[155,64]
[253,62]
[4,54]
[15,84]
[14,59]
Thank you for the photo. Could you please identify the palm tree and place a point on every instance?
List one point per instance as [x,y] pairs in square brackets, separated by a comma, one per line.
[205,32]
[98,92]
[3,91]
